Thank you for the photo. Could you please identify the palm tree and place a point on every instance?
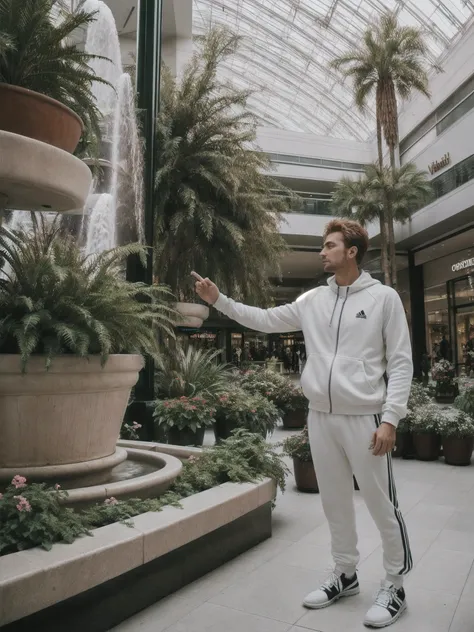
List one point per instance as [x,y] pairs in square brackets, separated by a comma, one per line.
[217,210]
[390,62]
[403,190]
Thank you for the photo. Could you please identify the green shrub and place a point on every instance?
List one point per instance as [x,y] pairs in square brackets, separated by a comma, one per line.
[465,402]
[297,446]
[32,515]
[244,410]
[184,412]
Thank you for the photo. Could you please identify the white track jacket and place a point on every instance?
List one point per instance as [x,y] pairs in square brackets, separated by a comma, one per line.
[355,337]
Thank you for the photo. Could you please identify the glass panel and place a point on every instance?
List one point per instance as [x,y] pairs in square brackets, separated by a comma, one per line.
[465,338]
[453,178]
[287,46]
[464,290]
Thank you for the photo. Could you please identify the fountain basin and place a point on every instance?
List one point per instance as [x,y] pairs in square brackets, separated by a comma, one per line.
[35,176]
[97,582]
[67,417]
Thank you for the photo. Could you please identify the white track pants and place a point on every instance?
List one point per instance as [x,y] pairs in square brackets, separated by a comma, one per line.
[340,448]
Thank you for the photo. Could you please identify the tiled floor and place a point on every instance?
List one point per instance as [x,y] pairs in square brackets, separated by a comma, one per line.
[261,591]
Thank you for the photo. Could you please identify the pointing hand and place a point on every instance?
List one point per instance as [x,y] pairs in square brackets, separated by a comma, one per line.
[206,289]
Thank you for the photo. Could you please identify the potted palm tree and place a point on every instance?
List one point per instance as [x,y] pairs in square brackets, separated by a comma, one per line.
[217,211]
[72,335]
[389,63]
[45,78]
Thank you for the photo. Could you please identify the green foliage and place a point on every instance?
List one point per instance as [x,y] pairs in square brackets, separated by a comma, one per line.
[297,446]
[32,515]
[113,510]
[253,412]
[37,52]
[390,60]
[242,458]
[279,389]
[191,372]
[184,412]
[54,300]
[130,431]
[418,399]
[427,418]
[465,402]
[456,423]
[399,192]
[217,210]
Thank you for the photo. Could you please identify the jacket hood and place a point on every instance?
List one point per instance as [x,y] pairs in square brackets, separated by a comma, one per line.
[363,282]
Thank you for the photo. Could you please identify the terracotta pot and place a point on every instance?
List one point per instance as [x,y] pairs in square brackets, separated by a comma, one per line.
[37,116]
[458,450]
[52,420]
[427,446]
[305,476]
[186,436]
[193,314]
[295,419]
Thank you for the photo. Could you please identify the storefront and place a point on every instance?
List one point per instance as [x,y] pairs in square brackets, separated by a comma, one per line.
[449,300]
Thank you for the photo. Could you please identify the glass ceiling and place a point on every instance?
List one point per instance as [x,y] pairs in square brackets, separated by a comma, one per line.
[288,44]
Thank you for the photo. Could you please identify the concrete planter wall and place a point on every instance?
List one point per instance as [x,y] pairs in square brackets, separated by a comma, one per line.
[64,421]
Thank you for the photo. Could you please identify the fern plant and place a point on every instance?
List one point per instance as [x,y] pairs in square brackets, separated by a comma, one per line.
[37,52]
[217,209]
[55,300]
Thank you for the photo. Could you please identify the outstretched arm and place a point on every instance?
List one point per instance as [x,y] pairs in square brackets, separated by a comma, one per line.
[274,320]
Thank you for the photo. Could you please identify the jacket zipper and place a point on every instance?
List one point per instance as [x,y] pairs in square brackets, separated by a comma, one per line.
[335,352]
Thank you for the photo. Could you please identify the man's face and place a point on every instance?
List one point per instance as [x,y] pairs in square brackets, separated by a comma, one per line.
[335,255]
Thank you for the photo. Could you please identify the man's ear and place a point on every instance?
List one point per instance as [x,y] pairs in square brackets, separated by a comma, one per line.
[353,252]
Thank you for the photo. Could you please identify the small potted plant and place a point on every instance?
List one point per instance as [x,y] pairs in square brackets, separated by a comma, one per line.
[185,419]
[457,431]
[294,405]
[240,409]
[425,429]
[447,389]
[45,78]
[297,447]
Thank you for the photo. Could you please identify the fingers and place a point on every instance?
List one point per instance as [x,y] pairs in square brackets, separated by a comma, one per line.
[197,276]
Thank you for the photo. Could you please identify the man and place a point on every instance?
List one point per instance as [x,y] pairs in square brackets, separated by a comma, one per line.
[356,334]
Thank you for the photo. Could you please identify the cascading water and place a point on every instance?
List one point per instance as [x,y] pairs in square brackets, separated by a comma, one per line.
[121,138]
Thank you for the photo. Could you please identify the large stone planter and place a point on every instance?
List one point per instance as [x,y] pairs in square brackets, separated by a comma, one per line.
[63,422]
[193,314]
[37,116]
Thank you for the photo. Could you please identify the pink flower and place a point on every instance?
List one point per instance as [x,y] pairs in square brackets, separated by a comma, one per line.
[136,426]
[57,487]
[111,501]
[166,404]
[183,398]
[192,407]
[23,504]
[19,481]
[268,393]
[1,496]
[253,410]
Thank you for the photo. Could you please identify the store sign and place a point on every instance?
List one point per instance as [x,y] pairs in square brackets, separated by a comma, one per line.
[437,165]
[462,265]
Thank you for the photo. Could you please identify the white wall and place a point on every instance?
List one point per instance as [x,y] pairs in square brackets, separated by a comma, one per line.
[176,52]
[458,140]
[312,225]
[318,174]
[458,66]
[300,144]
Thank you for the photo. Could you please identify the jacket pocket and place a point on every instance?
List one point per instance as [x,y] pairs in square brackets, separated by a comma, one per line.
[315,378]
[350,384]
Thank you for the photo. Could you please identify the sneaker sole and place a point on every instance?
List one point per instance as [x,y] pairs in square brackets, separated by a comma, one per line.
[348,593]
[385,625]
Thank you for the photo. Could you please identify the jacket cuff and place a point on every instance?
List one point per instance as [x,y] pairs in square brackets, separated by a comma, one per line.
[221,302]
[391,418]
